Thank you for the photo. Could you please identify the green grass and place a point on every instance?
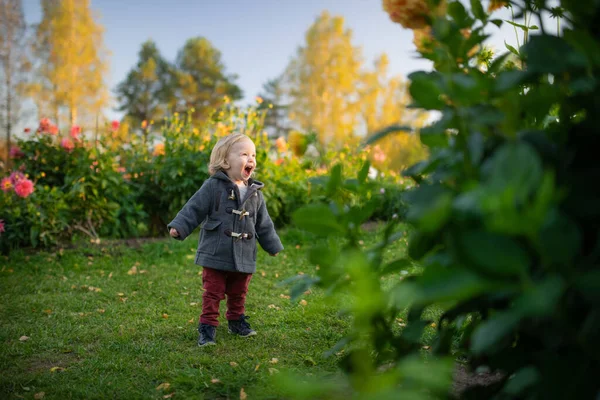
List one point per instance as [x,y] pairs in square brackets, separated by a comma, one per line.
[115,334]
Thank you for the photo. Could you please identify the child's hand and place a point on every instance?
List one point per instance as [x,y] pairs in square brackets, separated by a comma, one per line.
[173,232]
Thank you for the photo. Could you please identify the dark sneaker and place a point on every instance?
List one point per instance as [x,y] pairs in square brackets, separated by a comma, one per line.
[241,327]
[207,335]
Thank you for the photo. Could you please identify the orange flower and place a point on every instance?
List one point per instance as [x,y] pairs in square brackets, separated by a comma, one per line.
[53,130]
[497,4]
[279,161]
[6,184]
[144,124]
[281,144]
[159,150]
[412,14]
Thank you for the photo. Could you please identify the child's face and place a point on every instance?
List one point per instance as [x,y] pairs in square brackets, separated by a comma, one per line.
[241,161]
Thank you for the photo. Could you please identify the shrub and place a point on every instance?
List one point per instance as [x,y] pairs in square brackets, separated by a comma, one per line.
[505,222]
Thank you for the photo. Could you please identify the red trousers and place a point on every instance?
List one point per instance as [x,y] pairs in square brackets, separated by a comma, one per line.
[217,284]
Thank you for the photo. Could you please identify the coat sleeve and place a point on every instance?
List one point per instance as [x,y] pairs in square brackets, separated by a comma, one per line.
[265,230]
[193,212]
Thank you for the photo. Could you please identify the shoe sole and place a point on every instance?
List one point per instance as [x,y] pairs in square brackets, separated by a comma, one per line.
[207,344]
[253,333]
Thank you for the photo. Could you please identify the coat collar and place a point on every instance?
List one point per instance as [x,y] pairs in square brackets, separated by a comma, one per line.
[252,183]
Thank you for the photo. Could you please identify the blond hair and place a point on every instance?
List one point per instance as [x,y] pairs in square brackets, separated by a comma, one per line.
[219,153]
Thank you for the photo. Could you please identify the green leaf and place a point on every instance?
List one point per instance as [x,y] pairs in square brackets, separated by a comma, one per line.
[425,90]
[477,10]
[493,253]
[429,206]
[458,12]
[335,180]
[441,284]
[372,138]
[396,265]
[512,49]
[497,22]
[317,218]
[523,27]
[521,380]
[419,244]
[560,238]
[514,168]
[490,333]
[364,172]
[551,54]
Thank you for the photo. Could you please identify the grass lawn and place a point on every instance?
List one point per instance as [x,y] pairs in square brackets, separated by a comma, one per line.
[113,321]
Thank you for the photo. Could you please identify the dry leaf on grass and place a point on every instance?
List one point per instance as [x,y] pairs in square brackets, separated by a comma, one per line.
[215,380]
[243,395]
[57,369]
[303,302]
[39,395]
[233,364]
[274,361]
[163,386]
[24,338]
[132,271]
[273,371]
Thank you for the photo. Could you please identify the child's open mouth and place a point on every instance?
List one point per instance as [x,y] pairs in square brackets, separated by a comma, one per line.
[248,171]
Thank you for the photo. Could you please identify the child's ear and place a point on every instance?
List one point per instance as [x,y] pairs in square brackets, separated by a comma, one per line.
[225,165]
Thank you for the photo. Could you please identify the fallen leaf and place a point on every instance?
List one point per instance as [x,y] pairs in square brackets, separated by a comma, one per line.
[24,338]
[57,369]
[276,275]
[433,325]
[297,246]
[110,275]
[426,347]
[120,294]
[165,315]
[303,302]
[39,395]
[132,271]
[257,367]
[48,312]
[123,299]
[273,371]
[215,380]
[284,296]
[191,321]
[101,310]
[263,273]
[233,364]
[193,304]
[163,386]
[168,396]
[143,271]
[243,395]
[274,361]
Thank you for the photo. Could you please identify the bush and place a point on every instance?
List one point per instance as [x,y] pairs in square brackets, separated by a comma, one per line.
[76,188]
[505,222]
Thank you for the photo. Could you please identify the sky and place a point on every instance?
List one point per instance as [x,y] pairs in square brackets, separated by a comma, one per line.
[257,38]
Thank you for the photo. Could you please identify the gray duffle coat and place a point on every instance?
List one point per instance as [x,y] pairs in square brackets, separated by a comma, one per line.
[231,226]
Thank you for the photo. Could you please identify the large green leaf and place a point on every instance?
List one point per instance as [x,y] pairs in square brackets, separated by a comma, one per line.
[514,168]
[317,218]
[425,90]
[490,333]
[493,253]
[429,206]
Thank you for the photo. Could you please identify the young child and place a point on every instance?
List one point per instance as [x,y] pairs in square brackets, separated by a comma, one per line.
[235,216]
